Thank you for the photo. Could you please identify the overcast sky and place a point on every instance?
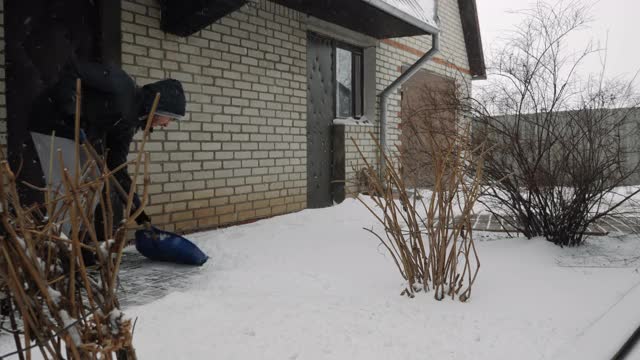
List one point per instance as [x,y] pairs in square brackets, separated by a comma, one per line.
[617,20]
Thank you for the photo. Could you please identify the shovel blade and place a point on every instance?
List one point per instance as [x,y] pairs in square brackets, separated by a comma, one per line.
[160,245]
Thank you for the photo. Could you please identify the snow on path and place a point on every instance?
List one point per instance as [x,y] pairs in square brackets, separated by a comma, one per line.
[610,330]
[314,285]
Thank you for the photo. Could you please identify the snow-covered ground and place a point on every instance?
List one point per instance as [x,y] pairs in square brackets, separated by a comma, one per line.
[315,285]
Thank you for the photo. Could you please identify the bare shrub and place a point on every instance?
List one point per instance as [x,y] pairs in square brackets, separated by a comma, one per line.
[58,304]
[557,139]
[430,238]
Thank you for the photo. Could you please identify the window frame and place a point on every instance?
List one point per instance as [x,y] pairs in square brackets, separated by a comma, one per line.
[357,86]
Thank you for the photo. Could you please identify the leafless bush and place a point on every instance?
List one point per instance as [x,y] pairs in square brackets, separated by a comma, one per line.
[58,304]
[557,139]
[430,238]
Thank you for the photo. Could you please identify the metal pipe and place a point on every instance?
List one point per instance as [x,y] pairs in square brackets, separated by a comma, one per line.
[627,347]
[384,95]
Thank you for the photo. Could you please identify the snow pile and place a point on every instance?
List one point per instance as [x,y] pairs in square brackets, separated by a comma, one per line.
[54,294]
[39,263]
[105,247]
[69,324]
[115,319]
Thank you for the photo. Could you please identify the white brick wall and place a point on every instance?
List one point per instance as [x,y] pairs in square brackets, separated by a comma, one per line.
[390,57]
[241,152]
[354,163]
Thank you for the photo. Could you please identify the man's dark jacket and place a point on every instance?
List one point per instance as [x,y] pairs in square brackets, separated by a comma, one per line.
[113,108]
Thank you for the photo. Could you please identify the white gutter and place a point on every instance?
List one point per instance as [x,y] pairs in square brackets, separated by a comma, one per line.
[384,95]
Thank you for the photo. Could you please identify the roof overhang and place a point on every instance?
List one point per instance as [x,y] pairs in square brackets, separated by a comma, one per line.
[186,17]
[380,19]
[377,18]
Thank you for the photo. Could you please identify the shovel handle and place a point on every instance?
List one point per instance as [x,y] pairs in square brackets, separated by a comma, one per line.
[117,186]
[114,182]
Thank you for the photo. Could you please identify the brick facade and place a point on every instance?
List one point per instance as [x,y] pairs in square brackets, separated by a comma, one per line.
[241,152]
[354,163]
[450,62]
[391,55]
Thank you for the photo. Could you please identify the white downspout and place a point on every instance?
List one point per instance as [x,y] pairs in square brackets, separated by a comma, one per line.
[384,95]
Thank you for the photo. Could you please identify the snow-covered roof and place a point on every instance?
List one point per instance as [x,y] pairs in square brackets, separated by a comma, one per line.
[421,13]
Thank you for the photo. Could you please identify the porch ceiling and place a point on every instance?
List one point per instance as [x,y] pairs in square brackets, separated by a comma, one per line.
[376,18]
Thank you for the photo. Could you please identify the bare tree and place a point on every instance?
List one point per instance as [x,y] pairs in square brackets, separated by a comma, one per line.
[557,144]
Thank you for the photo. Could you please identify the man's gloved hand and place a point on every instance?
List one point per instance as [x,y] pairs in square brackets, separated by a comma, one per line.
[143,218]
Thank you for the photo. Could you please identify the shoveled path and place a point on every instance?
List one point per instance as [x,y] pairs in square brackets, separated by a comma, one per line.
[143,281]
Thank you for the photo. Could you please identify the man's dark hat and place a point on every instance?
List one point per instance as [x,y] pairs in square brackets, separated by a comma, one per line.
[172,100]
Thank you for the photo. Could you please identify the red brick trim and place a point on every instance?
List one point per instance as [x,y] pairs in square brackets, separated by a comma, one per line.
[417,52]
[403,47]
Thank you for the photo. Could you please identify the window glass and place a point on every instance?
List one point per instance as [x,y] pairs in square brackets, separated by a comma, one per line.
[344,75]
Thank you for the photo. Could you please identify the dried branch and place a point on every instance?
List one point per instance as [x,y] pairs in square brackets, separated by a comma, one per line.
[66,308]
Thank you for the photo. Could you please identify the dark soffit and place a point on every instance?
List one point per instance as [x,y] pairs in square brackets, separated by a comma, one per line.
[361,16]
[186,17]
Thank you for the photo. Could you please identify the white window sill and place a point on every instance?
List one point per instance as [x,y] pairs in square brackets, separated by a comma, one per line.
[363,121]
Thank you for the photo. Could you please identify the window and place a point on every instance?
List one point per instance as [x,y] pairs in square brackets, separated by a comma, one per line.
[349,87]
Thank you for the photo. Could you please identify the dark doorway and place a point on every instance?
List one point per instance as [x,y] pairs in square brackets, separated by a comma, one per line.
[40,37]
[320,115]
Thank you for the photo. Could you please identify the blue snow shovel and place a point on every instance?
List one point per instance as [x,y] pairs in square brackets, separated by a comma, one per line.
[153,243]
[160,245]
